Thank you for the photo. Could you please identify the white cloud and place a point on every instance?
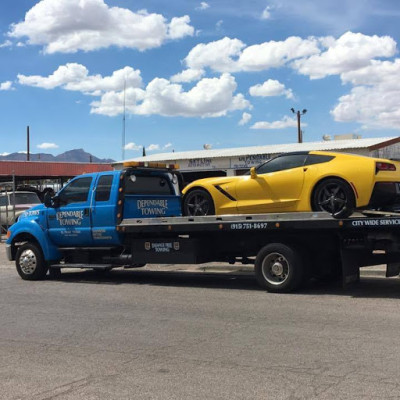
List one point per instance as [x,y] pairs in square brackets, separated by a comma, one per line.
[232,55]
[350,52]
[219,55]
[7,43]
[266,14]
[373,101]
[246,117]
[285,122]
[270,88]
[76,77]
[218,25]
[71,25]
[188,75]
[4,154]
[179,28]
[46,145]
[132,146]
[153,147]
[168,145]
[210,97]
[7,85]
[203,6]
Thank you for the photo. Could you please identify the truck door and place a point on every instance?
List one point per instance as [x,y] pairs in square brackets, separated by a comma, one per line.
[104,210]
[69,224]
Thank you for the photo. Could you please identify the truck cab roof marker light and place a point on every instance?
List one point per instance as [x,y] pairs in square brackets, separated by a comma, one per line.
[145,164]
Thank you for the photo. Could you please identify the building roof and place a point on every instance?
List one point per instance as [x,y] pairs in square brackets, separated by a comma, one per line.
[40,169]
[329,145]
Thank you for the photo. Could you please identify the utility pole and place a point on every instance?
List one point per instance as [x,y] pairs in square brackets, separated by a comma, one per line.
[123,125]
[28,155]
[299,132]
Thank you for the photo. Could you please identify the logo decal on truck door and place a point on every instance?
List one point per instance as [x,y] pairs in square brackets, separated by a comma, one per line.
[68,218]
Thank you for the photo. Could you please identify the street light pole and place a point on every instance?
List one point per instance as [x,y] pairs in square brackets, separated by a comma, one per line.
[299,133]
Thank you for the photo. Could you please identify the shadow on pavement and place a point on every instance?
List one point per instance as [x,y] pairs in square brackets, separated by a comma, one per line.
[368,287]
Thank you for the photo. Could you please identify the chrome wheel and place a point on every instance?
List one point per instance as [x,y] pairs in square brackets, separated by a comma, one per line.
[275,268]
[28,262]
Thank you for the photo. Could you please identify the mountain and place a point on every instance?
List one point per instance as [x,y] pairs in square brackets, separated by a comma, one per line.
[77,155]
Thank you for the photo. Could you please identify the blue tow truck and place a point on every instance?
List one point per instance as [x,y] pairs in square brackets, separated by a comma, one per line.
[130,217]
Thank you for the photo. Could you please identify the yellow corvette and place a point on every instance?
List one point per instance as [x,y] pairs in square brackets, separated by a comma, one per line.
[303,181]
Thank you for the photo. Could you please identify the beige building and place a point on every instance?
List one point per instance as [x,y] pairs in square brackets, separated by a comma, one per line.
[220,162]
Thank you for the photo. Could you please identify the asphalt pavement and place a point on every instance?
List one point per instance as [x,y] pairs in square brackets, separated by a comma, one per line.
[205,332]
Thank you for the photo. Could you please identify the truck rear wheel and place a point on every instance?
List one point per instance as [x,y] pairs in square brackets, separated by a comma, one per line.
[30,262]
[279,268]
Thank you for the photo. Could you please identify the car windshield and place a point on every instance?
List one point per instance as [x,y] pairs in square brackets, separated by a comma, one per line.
[25,198]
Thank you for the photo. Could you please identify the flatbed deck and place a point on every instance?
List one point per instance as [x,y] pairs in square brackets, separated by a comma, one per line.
[260,222]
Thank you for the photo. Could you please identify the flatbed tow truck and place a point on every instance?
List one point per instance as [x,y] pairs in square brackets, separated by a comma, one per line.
[112,219]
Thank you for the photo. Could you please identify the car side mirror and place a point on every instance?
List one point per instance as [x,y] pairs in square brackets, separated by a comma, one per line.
[253,173]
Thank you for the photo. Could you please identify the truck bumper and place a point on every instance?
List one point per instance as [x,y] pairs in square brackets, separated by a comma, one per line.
[9,252]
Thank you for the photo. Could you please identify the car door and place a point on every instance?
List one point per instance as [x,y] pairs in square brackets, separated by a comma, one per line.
[277,186]
[69,223]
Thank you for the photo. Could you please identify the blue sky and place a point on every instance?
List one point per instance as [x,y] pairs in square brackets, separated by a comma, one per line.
[217,72]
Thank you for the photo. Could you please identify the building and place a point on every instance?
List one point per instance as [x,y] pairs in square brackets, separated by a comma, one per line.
[236,161]
[28,172]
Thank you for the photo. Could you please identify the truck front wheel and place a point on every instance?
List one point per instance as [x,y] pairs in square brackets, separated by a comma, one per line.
[30,262]
[279,268]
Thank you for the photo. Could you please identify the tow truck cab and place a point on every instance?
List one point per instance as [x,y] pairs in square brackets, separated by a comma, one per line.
[87,211]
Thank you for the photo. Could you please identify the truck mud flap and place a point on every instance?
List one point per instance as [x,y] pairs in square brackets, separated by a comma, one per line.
[350,267]
[170,251]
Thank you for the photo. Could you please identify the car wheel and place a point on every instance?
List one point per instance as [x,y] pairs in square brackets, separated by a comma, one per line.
[335,197]
[198,202]
[30,262]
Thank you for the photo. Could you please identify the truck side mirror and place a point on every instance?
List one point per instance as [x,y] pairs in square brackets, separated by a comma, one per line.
[47,200]
[253,173]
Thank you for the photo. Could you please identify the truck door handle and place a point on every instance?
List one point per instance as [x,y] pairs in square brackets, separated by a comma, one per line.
[52,217]
[86,212]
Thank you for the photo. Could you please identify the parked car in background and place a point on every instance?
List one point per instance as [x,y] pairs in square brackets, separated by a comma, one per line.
[336,183]
[13,204]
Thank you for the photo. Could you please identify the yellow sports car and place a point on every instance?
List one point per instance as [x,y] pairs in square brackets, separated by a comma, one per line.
[302,181]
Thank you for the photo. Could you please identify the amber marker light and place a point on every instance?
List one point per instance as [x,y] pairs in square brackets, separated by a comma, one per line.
[277,225]
[169,227]
[220,226]
[340,223]
[8,234]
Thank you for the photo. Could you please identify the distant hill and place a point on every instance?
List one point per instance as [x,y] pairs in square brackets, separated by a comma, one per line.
[77,155]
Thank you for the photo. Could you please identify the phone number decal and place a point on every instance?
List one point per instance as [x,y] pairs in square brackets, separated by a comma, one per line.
[249,225]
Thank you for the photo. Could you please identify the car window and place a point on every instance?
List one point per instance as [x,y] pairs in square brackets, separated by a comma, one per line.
[26,198]
[3,201]
[154,185]
[318,159]
[103,189]
[76,192]
[282,163]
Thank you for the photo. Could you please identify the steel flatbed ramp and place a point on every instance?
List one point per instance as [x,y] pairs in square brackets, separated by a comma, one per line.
[259,222]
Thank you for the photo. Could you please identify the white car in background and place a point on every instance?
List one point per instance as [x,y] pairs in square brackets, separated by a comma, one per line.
[13,204]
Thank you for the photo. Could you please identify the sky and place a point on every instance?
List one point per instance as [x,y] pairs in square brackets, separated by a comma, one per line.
[112,76]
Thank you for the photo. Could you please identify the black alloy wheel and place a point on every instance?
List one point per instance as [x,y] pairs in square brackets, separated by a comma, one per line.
[198,202]
[335,197]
